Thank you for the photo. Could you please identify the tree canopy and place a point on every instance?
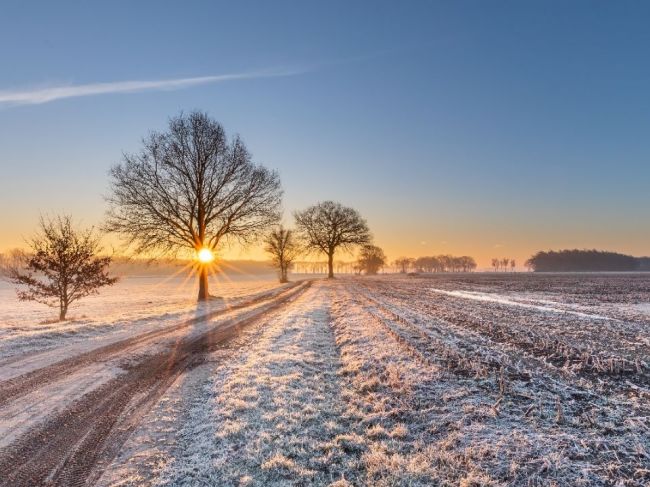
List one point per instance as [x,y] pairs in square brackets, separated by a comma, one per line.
[328,226]
[371,259]
[190,188]
[62,267]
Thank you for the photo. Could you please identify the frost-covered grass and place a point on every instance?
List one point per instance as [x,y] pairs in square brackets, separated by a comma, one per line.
[276,410]
[133,305]
[622,296]
[592,336]
[409,388]
[529,421]
[269,415]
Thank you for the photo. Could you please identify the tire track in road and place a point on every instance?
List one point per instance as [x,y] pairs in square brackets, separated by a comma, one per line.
[71,448]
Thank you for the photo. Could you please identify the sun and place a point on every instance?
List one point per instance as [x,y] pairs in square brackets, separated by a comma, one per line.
[205,256]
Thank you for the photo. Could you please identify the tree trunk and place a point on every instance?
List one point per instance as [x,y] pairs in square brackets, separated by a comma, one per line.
[203,283]
[330,265]
[63,310]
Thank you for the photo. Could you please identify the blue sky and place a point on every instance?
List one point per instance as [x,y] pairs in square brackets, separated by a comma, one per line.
[483,128]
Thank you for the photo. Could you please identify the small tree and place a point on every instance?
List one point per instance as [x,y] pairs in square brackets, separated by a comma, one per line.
[63,266]
[283,248]
[329,226]
[371,259]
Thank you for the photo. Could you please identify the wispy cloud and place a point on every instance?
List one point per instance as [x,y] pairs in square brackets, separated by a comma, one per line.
[52,93]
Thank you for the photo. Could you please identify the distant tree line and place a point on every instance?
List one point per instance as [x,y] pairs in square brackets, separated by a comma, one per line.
[440,263]
[506,264]
[586,261]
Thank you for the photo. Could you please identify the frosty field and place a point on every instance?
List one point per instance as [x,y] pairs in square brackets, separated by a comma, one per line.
[134,305]
[468,379]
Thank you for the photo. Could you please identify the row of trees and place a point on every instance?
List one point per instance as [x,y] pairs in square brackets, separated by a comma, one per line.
[189,190]
[506,264]
[440,263]
[64,264]
[324,228]
[320,267]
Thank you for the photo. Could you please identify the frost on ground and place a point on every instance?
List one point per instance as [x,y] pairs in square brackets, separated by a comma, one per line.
[134,305]
[388,382]
[269,415]
[540,398]
[41,389]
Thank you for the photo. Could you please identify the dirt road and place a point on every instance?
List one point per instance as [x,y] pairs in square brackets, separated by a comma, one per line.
[70,446]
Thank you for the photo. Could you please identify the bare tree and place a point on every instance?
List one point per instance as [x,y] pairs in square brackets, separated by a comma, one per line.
[190,189]
[62,267]
[513,264]
[468,263]
[371,259]
[446,263]
[283,248]
[433,264]
[328,226]
[495,264]
[426,264]
[403,264]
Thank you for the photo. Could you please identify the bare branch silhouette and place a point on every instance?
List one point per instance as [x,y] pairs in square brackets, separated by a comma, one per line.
[329,226]
[63,266]
[188,189]
[283,247]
